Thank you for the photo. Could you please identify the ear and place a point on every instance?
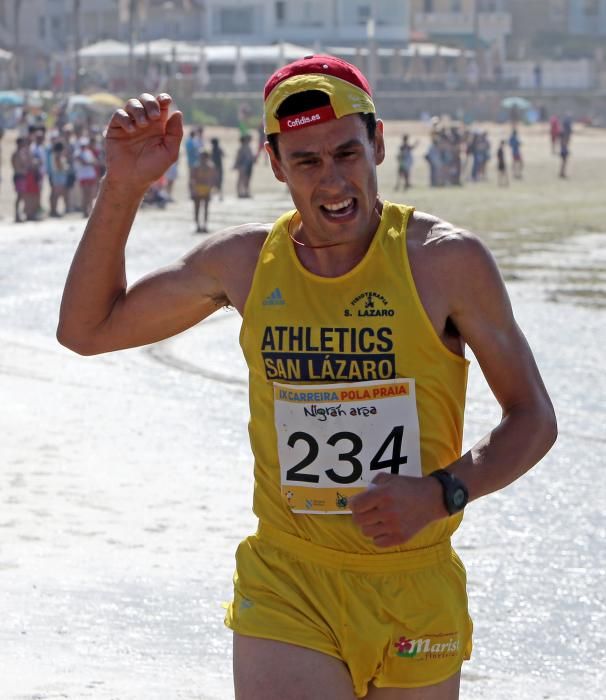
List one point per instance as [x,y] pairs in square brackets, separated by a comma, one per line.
[274,161]
[379,143]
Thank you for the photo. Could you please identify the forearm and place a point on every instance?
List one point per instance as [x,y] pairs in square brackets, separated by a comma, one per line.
[523,437]
[97,276]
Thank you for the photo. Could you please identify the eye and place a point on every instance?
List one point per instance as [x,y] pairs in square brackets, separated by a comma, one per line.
[307,162]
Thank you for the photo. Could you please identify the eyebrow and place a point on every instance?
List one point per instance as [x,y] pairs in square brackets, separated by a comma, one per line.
[352,143]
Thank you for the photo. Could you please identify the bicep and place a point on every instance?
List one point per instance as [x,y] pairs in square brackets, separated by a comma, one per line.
[485,319]
[162,304]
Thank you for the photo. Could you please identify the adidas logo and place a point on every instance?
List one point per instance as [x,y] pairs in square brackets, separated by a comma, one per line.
[274,299]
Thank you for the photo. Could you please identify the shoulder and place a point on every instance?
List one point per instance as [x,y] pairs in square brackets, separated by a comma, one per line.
[437,237]
[233,244]
[456,260]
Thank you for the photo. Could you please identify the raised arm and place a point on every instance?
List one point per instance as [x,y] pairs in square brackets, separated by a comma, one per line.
[98,312]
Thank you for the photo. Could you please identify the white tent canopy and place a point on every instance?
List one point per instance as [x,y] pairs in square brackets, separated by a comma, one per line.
[182,51]
[105,49]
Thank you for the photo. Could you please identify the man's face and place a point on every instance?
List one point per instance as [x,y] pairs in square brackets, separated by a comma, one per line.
[330,170]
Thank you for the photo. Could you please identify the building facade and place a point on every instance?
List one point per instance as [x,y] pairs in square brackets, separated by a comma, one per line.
[308,21]
[468,23]
[587,18]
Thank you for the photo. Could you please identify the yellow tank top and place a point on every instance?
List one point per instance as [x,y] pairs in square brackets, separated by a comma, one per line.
[368,324]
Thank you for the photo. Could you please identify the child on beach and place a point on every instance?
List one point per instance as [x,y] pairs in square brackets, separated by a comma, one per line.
[202,179]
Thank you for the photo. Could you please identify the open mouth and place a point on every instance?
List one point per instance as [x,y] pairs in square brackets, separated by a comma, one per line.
[339,210]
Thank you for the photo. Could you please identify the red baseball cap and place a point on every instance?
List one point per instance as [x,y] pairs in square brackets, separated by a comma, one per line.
[346,87]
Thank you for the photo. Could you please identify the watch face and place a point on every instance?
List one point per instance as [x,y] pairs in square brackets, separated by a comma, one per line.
[458,498]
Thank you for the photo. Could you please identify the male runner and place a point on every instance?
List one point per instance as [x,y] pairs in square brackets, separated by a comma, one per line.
[356,312]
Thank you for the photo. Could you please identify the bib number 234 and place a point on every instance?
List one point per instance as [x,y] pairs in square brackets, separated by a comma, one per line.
[333,438]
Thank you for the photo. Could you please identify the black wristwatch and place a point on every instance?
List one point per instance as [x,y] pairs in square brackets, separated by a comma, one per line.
[455,491]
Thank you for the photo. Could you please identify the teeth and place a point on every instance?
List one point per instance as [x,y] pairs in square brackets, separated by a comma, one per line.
[340,205]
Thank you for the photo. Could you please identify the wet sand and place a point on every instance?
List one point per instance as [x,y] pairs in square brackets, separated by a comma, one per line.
[126,481]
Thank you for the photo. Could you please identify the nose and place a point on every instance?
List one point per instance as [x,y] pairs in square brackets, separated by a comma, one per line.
[333,176]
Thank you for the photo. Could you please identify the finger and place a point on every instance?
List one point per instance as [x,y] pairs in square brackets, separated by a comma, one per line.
[174,133]
[381,478]
[150,105]
[164,100]
[121,121]
[367,500]
[137,112]
[367,517]
[375,530]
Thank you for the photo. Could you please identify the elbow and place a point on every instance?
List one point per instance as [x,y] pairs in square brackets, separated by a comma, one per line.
[76,344]
[552,427]
[549,426]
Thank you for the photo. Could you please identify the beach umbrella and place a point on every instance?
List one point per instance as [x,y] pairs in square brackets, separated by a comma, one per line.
[78,101]
[514,101]
[10,98]
[105,99]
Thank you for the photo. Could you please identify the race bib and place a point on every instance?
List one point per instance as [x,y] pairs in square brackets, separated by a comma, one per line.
[333,439]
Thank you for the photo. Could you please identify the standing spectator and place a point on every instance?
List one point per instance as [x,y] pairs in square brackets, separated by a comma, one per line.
[20,160]
[405,161]
[502,177]
[39,160]
[483,147]
[516,153]
[202,180]
[58,174]
[86,174]
[192,148]
[434,159]
[67,136]
[217,154]
[564,154]
[567,127]
[555,131]
[244,163]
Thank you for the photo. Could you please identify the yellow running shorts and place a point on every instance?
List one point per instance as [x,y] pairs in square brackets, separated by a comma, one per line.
[396,620]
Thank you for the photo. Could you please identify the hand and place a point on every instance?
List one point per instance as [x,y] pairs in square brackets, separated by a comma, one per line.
[394,508]
[142,141]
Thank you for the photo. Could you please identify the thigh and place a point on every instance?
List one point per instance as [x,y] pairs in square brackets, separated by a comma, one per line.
[446,690]
[268,670]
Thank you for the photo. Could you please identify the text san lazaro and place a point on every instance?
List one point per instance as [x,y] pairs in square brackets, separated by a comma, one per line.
[328,353]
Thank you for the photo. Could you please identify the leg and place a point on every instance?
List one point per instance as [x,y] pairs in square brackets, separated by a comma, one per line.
[53,199]
[197,213]
[206,201]
[269,670]
[446,690]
